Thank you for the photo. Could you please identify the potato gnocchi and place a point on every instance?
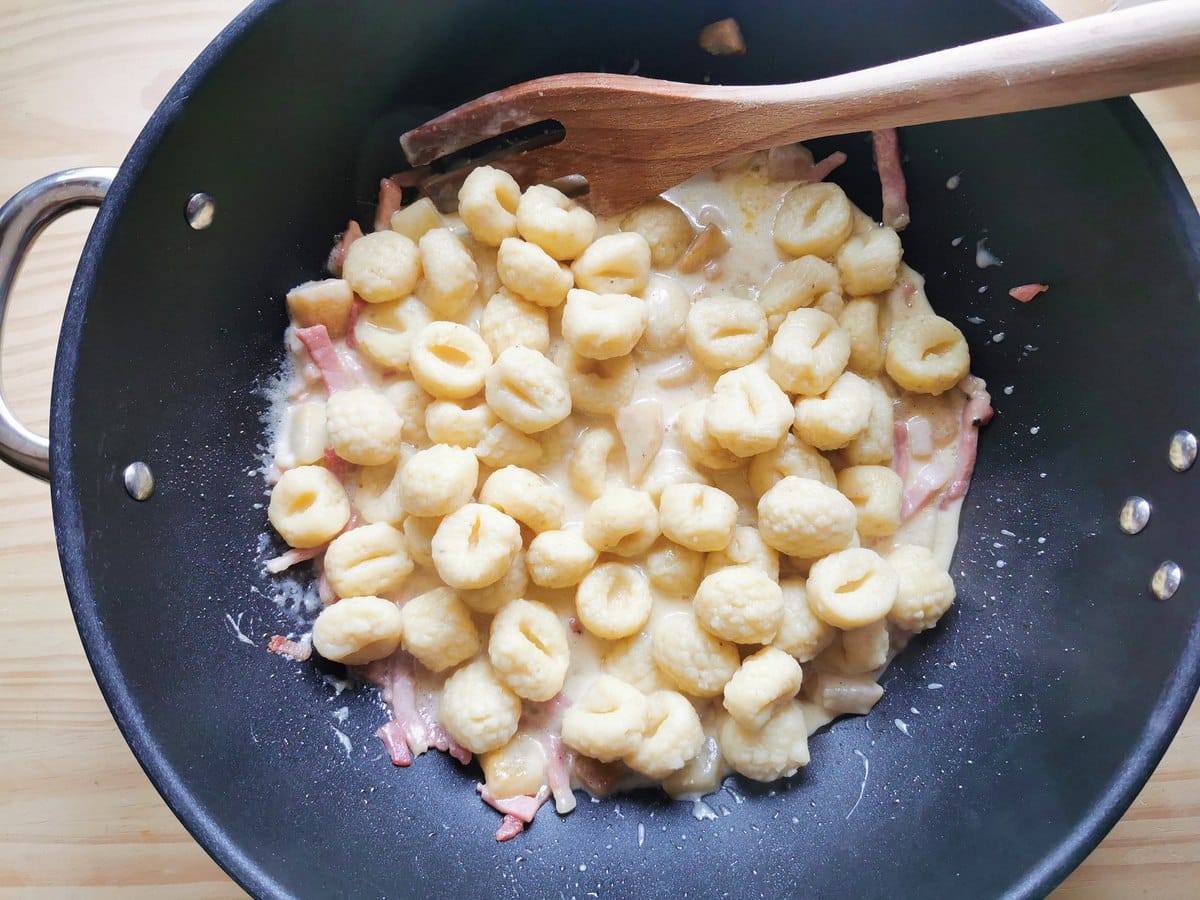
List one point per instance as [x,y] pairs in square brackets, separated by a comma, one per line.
[605,514]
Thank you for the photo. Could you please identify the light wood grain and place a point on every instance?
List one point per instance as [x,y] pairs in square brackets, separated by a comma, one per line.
[77,816]
[633,138]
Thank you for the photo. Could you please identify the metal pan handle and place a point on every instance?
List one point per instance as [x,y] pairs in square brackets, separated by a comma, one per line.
[21,220]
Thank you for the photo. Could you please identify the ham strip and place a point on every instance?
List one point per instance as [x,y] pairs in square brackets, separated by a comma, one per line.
[900,450]
[929,480]
[320,347]
[891,178]
[1023,293]
[392,735]
[518,811]
[391,198]
[326,592]
[292,557]
[337,256]
[509,828]
[356,308]
[282,646]
[821,170]
[978,411]
[558,773]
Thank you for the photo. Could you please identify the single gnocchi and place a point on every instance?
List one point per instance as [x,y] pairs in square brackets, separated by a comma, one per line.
[477,710]
[363,427]
[560,558]
[924,589]
[740,604]
[621,521]
[509,321]
[765,682]
[665,228]
[927,355]
[725,332]
[613,601]
[451,276]
[697,516]
[852,588]
[614,264]
[526,496]
[438,629]
[487,203]
[382,266]
[531,273]
[813,220]
[876,493]
[601,326]
[808,352]
[748,414]
[308,506]
[776,750]
[370,560]
[358,630]
[607,722]
[449,360]
[672,736]
[474,546]
[546,217]
[696,661]
[834,419]
[437,481]
[805,518]
[527,390]
[528,649]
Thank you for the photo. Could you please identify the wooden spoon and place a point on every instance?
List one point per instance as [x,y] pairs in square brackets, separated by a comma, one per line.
[633,138]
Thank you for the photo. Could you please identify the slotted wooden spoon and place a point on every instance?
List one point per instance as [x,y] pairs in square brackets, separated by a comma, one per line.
[633,138]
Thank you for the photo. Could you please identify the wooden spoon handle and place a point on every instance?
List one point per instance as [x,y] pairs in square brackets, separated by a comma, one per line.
[1107,55]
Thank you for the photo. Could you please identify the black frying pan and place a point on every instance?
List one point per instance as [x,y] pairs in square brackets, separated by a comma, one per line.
[1063,677]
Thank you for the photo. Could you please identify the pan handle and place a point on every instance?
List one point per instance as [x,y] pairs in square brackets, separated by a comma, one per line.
[22,219]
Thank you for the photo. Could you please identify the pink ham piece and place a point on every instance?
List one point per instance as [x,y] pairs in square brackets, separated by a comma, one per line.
[285,561]
[392,735]
[1023,293]
[320,347]
[977,412]
[391,198]
[356,309]
[510,827]
[821,170]
[326,592]
[518,811]
[794,162]
[929,480]
[337,256]
[900,450]
[891,178]
[282,646]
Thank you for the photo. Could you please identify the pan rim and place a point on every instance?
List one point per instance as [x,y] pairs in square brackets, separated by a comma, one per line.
[1162,724]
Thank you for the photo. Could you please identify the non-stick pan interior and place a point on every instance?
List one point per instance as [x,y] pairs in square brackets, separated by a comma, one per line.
[1008,738]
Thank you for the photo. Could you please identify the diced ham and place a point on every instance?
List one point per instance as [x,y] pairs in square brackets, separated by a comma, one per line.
[326,592]
[821,170]
[356,309]
[1023,293]
[891,178]
[575,625]
[282,646]
[977,411]
[929,479]
[794,162]
[337,256]
[391,198]
[900,450]
[510,827]
[392,735]
[292,557]
[908,290]
[723,38]
[320,347]
[395,677]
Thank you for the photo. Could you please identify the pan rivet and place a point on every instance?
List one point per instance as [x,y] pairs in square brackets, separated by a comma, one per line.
[1183,451]
[1166,580]
[139,481]
[200,211]
[1135,513]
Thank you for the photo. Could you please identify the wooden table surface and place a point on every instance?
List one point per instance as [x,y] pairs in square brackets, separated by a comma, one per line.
[78,78]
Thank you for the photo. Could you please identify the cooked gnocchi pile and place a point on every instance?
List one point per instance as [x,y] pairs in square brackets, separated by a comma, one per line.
[626,502]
